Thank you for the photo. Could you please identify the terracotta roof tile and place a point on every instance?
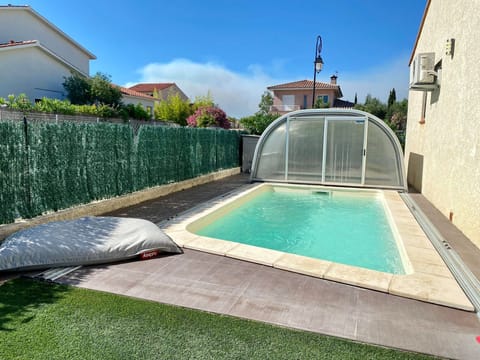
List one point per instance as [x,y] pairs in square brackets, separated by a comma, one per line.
[303,84]
[129,91]
[12,43]
[148,87]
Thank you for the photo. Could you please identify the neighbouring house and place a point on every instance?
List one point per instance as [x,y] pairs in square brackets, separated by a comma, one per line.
[442,148]
[35,55]
[133,97]
[298,95]
[164,90]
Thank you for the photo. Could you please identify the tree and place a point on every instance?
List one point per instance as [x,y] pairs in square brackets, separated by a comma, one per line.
[396,115]
[173,109]
[78,89]
[104,92]
[265,103]
[256,124]
[208,117]
[373,106]
[392,98]
[203,101]
[356,100]
[98,90]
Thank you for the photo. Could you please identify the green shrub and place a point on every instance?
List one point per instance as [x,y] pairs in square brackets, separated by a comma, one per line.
[209,116]
[256,124]
[55,106]
[134,111]
[173,109]
[20,102]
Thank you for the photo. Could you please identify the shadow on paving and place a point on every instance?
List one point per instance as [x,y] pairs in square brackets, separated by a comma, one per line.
[168,206]
[83,274]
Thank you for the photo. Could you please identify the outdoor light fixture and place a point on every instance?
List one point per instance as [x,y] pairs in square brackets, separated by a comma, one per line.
[317,65]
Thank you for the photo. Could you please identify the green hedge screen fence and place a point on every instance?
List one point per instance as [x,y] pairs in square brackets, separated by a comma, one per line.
[48,167]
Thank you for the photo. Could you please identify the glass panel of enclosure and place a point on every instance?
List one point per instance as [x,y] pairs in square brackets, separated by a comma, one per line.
[271,162]
[382,163]
[344,150]
[305,149]
[331,148]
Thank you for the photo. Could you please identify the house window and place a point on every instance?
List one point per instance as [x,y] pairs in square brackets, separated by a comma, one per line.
[304,101]
[288,102]
[323,99]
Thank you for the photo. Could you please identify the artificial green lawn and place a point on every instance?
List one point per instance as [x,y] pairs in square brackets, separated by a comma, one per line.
[40,320]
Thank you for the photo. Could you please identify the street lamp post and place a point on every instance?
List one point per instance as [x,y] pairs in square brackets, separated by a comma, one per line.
[317,65]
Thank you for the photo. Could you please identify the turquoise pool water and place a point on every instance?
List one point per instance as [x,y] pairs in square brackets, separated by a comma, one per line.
[335,226]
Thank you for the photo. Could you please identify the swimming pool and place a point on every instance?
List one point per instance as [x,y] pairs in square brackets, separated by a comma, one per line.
[349,227]
[426,277]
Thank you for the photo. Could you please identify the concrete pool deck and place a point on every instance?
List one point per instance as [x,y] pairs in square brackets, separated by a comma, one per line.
[229,286]
[427,279]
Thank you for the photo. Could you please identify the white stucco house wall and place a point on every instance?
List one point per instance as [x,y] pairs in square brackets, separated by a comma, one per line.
[164,90]
[442,148]
[35,55]
[130,96]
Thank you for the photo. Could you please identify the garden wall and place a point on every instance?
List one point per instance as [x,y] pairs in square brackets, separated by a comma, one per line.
[48,166]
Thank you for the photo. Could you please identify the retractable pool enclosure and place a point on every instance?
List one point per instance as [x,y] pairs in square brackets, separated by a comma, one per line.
[332,147]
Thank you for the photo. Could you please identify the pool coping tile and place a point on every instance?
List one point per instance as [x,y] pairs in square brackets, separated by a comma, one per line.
[303,265]
[430,288]
[210,245]
[181,236]
[366,278]
[255,254]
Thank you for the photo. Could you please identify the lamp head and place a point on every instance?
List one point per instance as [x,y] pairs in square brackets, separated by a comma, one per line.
[318,64]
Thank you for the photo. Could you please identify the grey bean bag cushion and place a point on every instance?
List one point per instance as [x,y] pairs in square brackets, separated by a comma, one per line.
[84,241]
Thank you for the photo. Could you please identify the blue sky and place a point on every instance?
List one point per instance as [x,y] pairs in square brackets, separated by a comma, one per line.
[234,49]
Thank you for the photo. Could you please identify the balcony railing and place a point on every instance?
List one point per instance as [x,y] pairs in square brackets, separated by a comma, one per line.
[283,108]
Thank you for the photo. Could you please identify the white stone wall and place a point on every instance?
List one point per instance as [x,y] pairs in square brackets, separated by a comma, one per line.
[20,24]
[32,71]
[449,139]
[146,103]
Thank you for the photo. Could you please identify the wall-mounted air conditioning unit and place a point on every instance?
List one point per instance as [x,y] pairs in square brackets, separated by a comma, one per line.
[422,72]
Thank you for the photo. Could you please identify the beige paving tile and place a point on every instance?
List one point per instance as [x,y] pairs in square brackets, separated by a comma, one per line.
[254,254]
[409,229]
[302,265]
[210,245]
[362,277]
[432,269]
[430,288]
[419,241]
[422,255]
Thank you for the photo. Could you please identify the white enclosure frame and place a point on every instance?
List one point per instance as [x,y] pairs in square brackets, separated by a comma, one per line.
[341,154]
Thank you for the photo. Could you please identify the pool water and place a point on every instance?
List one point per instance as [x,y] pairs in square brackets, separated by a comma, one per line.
[339,226]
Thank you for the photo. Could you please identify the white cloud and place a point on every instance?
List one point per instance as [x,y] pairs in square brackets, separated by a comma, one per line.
[239,93]
[377,81]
